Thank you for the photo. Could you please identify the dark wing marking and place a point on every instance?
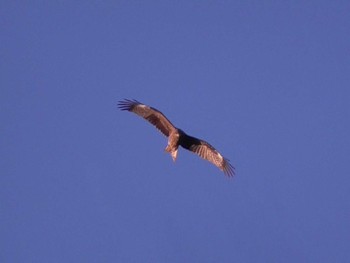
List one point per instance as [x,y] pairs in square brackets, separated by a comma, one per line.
[152,115]
[207,152]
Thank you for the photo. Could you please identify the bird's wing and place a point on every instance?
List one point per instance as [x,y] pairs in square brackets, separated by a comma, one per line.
[150,114]
[207,152]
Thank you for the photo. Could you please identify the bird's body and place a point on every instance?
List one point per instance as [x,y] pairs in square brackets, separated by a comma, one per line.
[177,137]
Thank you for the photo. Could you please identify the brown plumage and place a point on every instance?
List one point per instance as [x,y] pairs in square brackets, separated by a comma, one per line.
[177,137]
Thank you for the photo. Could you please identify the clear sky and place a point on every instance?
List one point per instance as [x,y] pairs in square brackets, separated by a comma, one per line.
[266,82]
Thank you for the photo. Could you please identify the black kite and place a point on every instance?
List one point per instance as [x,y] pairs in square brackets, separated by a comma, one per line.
[178,137]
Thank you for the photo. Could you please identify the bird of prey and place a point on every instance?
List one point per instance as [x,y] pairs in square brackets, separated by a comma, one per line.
[177,137]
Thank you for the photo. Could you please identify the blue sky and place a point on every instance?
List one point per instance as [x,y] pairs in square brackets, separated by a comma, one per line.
[266,82]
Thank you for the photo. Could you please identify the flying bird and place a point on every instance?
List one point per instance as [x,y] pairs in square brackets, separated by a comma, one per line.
[177,137]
